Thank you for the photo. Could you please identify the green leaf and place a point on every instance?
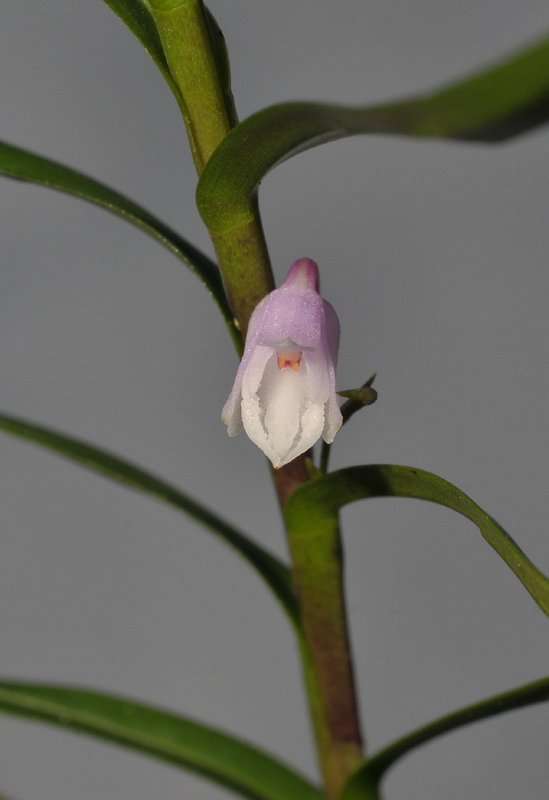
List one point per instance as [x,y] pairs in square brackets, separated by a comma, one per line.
[137,16]
[364,784]
[26,166]
[275,574]
[358,398]
[363,396]
[317,505]
[169,737]
[491,106]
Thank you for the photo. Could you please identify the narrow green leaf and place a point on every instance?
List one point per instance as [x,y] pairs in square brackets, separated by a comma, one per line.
[137,16]
[23,165]
[491,106]
[363,396]
[358,398]
[364,784]
[275,574]
[169,737]
[317,504]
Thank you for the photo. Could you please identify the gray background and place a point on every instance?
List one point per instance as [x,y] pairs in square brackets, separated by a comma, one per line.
[435,256]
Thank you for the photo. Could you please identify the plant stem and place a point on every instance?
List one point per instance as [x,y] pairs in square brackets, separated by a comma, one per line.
[199,67]
[194,50]
[317,561]
[245,268]
[196,55]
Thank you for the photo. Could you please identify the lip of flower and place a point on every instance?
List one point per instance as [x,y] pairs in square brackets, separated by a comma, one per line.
[284,392]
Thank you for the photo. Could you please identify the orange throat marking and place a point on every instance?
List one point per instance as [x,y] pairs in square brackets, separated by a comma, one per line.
[289,358]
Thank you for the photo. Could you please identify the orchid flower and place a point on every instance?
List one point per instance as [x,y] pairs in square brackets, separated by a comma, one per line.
[284,392]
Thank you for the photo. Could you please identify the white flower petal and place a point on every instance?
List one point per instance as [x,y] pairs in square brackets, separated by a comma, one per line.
[254,373]
[280,417]
[231,415]
[334,420]
[312,422]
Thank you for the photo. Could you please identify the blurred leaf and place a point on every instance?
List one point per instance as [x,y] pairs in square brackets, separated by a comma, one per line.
[358,398]
[364,396]
[491,106]
[136,15]
[364,784]
[275,574]
[26,166]
[169,737]
[317,504]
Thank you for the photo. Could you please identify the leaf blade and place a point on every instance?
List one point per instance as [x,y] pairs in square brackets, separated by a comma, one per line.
[275,574]
[318,503]
[136,15]
[365,782]
[20,164]
[493,105]
[179,740]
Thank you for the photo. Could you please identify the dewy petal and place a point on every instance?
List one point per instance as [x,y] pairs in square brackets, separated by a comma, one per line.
[231,413]
[330,338]
[286,403]
[292,422]
[279,415]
